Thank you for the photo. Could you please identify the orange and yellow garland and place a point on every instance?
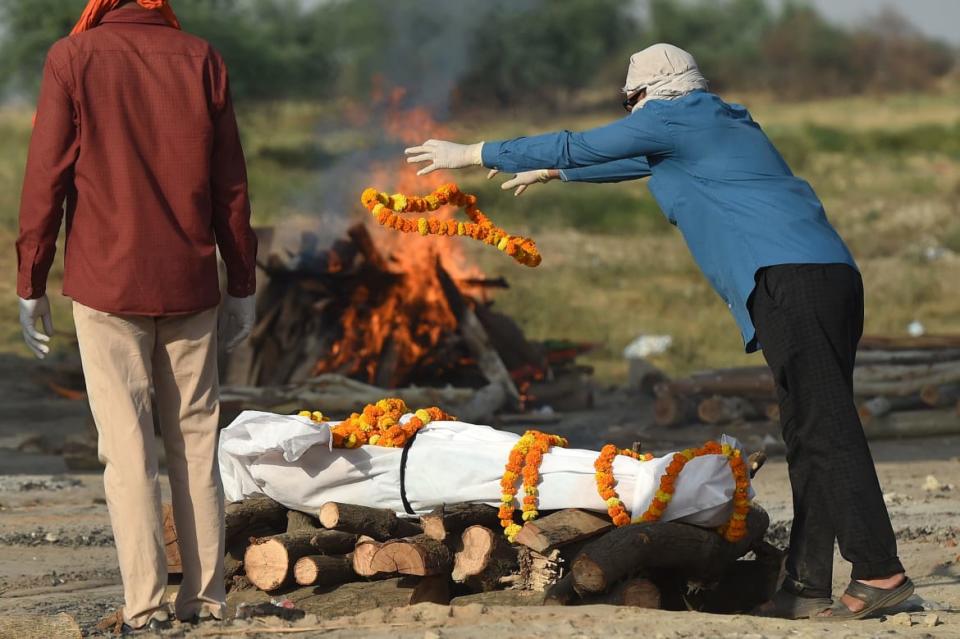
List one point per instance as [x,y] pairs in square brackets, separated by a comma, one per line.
[734,530]
[606,482]
[387,209]
[379,424]
[524,460]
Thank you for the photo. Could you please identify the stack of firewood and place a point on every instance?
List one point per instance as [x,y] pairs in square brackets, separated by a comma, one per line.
[351,311]
[565,557]
[904,386]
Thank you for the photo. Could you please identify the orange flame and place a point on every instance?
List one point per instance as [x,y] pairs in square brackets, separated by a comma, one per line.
[390,330]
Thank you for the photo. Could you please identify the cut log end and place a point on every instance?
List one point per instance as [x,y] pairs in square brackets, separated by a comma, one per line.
[363,555]
[329,515]
[478,546]
[419,556]
[267,564]
[306,572]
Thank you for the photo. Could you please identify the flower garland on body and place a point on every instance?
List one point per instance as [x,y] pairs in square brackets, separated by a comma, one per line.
[379,424]
[524,461]
[734,530]
[386,209]
[606,483]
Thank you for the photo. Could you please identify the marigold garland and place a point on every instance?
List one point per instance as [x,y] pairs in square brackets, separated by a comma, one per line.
[524,461]
[606,482]
[379,424]
[387,209]
[736,528]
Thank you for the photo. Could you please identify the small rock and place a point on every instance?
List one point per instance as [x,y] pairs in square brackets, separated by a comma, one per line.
[892,498]
[901,619]
[932,485]
[931,620]
[51,537]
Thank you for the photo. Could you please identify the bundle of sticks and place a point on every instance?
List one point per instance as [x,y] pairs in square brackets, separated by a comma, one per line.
[904,386]
[565,557]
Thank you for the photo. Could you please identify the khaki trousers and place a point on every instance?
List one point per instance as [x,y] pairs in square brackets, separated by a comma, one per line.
[123,358]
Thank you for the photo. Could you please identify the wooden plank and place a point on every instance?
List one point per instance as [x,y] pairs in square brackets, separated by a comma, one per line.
[562,528]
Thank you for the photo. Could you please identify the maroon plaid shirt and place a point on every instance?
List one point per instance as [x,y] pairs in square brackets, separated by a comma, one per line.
[135,133]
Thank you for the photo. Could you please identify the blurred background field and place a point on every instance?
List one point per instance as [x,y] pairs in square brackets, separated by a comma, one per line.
[868,113]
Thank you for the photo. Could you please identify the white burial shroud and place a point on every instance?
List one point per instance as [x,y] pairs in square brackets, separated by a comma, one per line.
[291,460]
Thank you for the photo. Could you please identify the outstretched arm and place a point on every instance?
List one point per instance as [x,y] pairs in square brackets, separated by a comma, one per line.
[642,133]
[616,171]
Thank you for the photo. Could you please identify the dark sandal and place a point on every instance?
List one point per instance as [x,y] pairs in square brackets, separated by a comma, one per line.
[786,605]
[876,600]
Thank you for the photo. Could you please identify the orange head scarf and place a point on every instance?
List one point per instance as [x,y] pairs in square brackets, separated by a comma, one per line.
[96,9]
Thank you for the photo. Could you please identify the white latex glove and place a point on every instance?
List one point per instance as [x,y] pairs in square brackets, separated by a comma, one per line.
[524,179]
[237,317]
[30,312]
[445,155]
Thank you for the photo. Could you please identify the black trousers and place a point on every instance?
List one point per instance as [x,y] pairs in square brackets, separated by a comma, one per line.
[809,319]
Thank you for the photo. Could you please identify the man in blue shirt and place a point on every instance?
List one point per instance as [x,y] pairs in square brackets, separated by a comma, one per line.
[762,239]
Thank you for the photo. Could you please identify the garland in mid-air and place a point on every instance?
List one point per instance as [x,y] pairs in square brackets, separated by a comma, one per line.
[387,210]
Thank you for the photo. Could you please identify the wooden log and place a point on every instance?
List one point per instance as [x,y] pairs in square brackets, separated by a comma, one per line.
[324,570]
[908,386]
[674,410]
[485,559]
[500,598]
[253,517]
[170,543]
[905,342]
[906,357]
[684,549]
[724,410]
[561,593]
[754,383]
[367,247]
[434,589]
[901,373]
[916,423]
[269,561]
[420,556]
[363,553]
[297,521]
[378,523]
[879,406]
[940,396]
[475,337]
[743,586]
[562,528]
[447,522]
[637,592]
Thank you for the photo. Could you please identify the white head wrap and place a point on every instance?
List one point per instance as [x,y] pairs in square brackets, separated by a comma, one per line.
[667,72]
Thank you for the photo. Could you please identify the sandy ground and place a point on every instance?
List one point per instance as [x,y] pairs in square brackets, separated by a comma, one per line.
[57,555]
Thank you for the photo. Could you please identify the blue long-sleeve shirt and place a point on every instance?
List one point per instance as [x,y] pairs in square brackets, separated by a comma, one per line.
[714,174]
